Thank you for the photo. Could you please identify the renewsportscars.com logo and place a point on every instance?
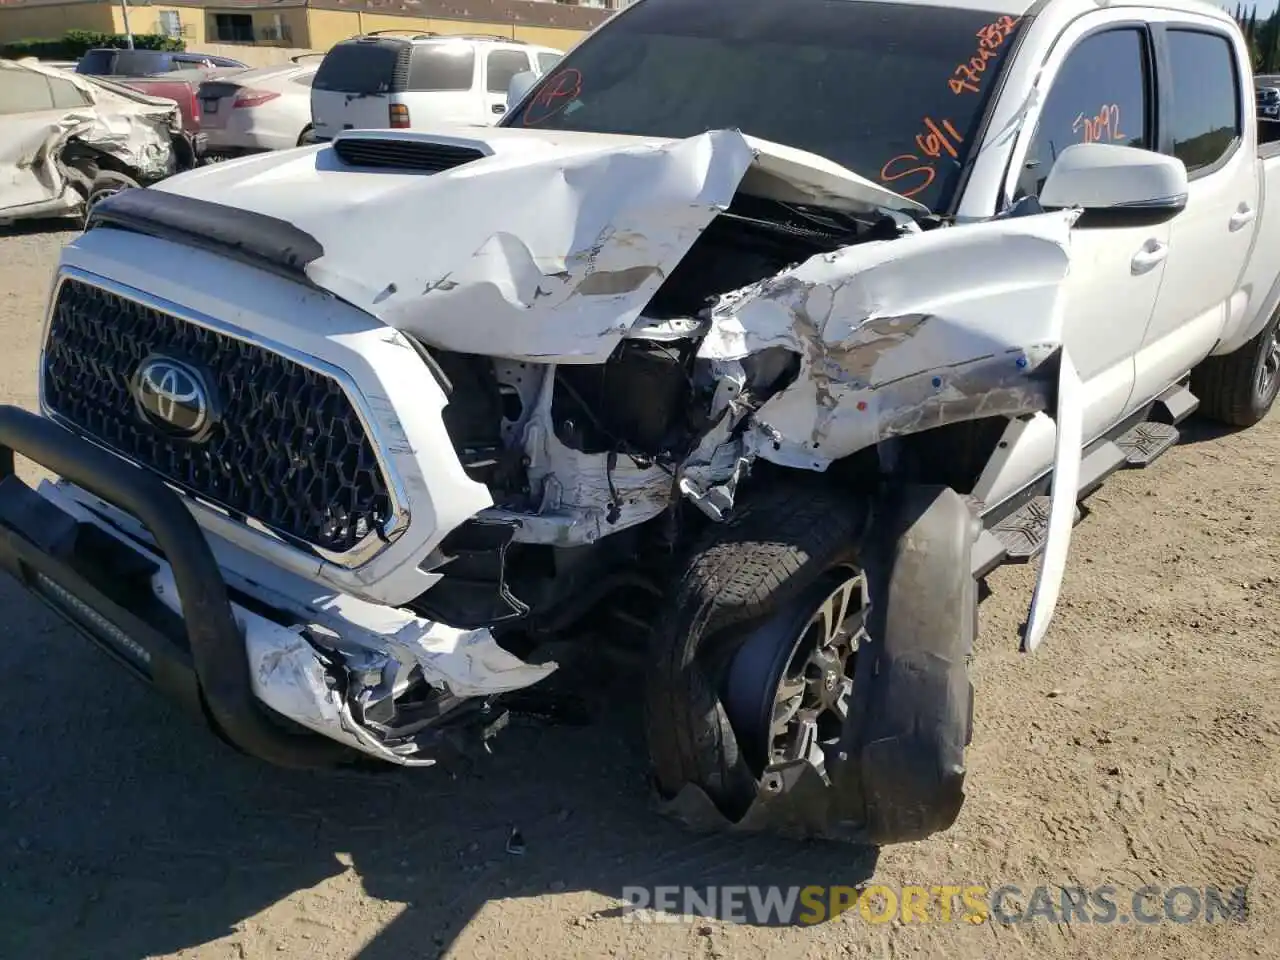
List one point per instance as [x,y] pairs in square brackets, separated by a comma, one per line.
[974,903]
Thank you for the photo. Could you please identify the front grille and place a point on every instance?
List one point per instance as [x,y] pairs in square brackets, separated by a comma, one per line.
[403,154]
[286,447]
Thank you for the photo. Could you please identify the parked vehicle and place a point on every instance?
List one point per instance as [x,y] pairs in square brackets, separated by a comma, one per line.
[378,419]
[66,142]
[1268,102]
[108,62]
[180,86]
[256,110]
[416,81]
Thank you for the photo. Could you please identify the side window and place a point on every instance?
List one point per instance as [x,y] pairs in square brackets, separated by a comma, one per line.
[439,66]
[66,95]
[502,65]
[22,91]
[1098,96]
[1205,121]
[548,60]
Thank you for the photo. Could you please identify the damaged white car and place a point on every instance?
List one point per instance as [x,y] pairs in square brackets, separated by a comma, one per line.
[773,326]
[67,142]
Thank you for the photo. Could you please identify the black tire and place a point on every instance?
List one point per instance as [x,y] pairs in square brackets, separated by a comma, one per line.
[779,548]
[1239,388]
[306,137]
[106,183]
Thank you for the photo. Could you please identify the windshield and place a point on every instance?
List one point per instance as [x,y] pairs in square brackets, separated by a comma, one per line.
[893,91]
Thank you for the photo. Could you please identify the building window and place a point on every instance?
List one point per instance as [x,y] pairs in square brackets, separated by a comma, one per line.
[278,31]
[170,23]
[233,28]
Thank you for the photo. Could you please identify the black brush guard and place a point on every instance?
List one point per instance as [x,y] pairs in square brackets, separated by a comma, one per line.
[200,659]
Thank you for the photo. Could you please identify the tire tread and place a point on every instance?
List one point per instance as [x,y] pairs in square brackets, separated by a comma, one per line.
[780,541]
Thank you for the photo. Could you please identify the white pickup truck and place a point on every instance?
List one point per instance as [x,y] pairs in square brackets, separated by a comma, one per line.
[777,324]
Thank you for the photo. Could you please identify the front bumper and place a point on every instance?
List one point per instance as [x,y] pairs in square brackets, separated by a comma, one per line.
[302,684]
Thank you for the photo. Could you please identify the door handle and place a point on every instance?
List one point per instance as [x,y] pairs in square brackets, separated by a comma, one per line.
[499,108]
[1152,253]
[1244,215]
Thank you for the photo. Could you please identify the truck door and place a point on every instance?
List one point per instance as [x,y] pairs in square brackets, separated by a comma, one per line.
[1100,90]
[1204,125]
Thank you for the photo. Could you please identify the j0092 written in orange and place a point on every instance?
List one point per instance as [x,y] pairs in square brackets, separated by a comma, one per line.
[1100,128]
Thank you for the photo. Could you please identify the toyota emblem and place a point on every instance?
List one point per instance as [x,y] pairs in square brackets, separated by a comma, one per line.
[173,397]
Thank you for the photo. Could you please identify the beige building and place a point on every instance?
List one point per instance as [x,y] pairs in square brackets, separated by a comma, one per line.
[238,28]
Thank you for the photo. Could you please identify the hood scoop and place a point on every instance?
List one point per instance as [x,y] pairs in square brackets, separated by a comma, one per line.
[371,151]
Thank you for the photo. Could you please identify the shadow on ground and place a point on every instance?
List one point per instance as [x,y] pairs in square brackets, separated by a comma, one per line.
[127,831]
[1198,429]
[24,228]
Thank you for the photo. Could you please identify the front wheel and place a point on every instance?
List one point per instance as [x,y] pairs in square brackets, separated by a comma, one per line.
[106,184]
[754,656]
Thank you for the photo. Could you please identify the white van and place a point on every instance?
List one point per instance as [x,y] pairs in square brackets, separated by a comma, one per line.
[410,80]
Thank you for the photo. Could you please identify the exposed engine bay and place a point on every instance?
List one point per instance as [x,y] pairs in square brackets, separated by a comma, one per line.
[678,413]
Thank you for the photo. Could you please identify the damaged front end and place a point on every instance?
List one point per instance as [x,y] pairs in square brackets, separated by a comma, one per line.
[798,332]
[625,329]
[714,308]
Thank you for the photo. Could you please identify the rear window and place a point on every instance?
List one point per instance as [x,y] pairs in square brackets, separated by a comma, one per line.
[502,65]
[443,66]
[66,95]
[96,62]
[23,91]
[135,63]
[360,67]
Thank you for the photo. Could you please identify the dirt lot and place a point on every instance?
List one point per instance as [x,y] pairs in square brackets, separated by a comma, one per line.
[1141,745]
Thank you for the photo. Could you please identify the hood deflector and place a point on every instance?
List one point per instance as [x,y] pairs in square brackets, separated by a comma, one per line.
[253,238]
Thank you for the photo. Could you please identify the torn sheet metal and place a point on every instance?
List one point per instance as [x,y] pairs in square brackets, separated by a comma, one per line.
[902,335]
[545,247]
[1068,449]
[135,132]
[292,675]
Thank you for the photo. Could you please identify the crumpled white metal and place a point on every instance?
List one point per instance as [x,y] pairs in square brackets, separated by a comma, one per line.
[132,129]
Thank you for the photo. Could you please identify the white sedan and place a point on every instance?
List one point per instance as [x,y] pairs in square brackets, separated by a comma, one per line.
[265,108]
[68,141]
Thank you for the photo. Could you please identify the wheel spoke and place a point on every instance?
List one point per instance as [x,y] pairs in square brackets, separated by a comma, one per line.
[812,699]
[840,702]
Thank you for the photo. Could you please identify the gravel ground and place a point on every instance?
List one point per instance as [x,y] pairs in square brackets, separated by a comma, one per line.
[1140,745]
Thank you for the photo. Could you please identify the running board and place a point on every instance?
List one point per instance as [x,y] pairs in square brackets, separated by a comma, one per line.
[1146,441]
[1019,537]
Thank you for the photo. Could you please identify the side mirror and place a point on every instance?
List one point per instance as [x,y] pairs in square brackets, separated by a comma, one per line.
[1106,176]
[520,84]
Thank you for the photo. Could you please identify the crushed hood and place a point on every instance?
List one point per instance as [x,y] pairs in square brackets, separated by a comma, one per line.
[545,245]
